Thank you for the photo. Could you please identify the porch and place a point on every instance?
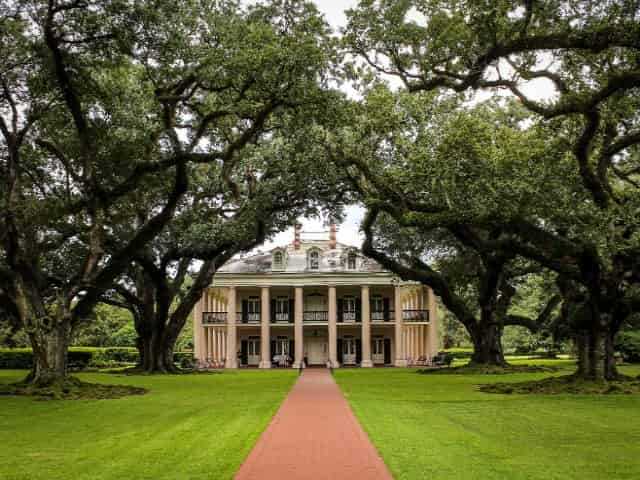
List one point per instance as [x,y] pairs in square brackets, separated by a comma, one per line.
[348,325]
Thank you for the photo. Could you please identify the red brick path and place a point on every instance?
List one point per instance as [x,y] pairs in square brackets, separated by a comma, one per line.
[314,436]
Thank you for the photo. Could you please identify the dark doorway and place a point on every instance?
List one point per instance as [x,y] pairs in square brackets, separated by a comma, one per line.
[387,351]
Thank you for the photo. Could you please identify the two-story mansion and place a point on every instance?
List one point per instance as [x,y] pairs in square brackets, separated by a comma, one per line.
[313,301]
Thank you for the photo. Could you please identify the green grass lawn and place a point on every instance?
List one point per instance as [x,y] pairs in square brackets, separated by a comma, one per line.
[440,426]
[186,427]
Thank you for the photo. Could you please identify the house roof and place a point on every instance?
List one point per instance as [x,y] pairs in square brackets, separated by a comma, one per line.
[332,260]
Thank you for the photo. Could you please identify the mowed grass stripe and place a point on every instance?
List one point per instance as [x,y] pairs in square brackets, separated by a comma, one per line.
[187,427]
[440,426]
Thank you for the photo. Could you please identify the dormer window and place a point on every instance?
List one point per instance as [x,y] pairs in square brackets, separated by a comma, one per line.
[277,260]
[351,261]
[314,260]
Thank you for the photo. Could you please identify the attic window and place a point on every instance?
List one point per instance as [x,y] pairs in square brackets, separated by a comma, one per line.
[278,260]
[314,260]
[351,261]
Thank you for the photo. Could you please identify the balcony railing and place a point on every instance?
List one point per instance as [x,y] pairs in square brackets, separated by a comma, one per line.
[213,318]
[283,317]
[248,317]
[348,317]
[315,316]
[382,316]
[216,318]
[415,315]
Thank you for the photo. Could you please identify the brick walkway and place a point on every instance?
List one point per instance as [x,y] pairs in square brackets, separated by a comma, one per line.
[314,436]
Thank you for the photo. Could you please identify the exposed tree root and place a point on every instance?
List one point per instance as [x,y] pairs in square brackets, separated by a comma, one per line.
[70,389]
[567,384]
[479,369]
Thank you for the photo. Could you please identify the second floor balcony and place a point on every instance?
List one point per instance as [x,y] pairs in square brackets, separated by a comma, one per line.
[317,316]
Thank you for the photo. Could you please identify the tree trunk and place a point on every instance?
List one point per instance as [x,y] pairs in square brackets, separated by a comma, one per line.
[156,353]
[582,347]
[487,345]
[611,370]
[596,359]
[50,354]
[597,355]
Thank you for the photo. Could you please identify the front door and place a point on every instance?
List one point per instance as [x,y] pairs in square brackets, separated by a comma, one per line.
[317,353]
[377,350]
[253,351]
[349,351]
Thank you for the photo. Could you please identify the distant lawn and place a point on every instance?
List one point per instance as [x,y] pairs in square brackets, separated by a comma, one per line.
[186,427]
[441,427]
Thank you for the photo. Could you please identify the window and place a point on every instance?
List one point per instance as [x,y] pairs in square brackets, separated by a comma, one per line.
[282,307]
[348,309]
[253,309]
[282,345]
[278,260]
[351,261]
[377,304]
[314,260]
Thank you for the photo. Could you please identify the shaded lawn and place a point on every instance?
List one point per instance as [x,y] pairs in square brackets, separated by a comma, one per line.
[440,426]
[187,427]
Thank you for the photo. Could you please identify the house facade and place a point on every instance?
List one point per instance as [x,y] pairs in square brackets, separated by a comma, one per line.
[313,302]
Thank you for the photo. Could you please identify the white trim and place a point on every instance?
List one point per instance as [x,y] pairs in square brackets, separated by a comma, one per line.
[303,279]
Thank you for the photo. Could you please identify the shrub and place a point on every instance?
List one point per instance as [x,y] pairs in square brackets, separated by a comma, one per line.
[459,353]
[123,355]
[80,358]
[16,358]
[22,358]
[628,344]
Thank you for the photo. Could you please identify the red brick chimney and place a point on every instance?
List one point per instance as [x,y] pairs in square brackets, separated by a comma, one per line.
[296,237]
[332,236]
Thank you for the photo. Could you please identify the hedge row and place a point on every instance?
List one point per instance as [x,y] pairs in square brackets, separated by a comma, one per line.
[80,358]
[628,344]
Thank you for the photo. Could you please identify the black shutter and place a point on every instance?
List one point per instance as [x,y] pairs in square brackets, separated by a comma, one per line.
[273,349]
[245,311]
[387,351]
[386,308]
[340,308]
[244,354]
[273,310]
[358,351]
[339,355]
[292,309]
[292,348]
[358,309]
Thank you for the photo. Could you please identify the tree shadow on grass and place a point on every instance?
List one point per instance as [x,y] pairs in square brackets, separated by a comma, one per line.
[474,369]
[71,389]
[567,384]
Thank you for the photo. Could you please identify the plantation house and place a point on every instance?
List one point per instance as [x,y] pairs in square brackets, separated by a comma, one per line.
[314,301]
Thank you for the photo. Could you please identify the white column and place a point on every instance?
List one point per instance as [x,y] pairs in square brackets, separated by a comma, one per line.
[232,347]
[298,328]
[333,327]
[366,327]
[223,344]
[214,354]
[400,360]
[265,318]
[197,331]
[433,325]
